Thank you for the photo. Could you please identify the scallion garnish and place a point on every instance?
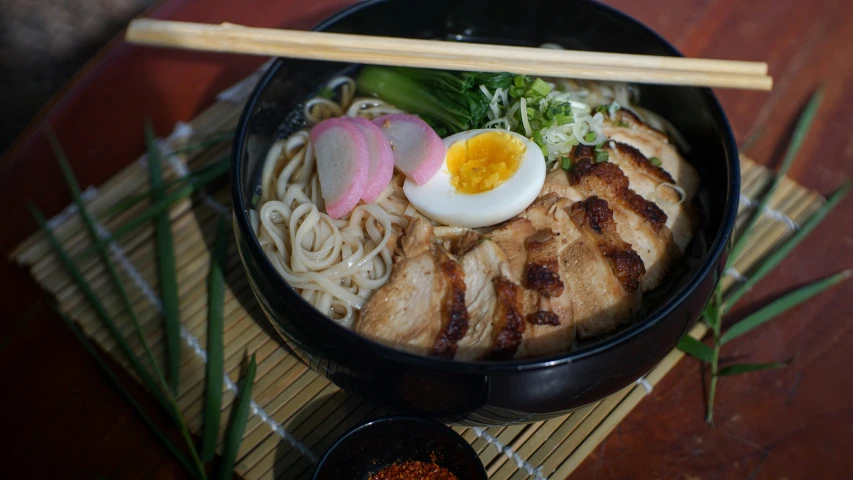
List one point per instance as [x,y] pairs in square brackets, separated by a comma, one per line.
[566,163]
[655,161]
[589,136]
[601,156]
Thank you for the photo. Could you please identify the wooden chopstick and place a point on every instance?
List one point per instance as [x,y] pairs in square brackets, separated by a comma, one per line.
[450,55]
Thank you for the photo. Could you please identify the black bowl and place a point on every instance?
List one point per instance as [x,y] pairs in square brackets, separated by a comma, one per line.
[372,446]
[492,392]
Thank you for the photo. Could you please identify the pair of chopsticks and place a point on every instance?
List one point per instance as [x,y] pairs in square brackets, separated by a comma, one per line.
[443,55]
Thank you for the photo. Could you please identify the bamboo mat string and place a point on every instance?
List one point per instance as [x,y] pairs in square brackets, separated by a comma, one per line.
[293,406]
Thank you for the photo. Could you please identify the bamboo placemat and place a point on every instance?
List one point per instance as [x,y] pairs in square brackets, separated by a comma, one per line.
[297,414]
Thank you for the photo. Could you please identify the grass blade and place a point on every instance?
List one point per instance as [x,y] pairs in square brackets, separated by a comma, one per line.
[179,456]
[211,140]
[100,311]
[751,140]
[207,173]
[749,367]
[215,347]
[782,251]
[237,424]
[155,209]
[800,131]
[695,348]
[159,389]
[165,252]
[95,235]
[783,304]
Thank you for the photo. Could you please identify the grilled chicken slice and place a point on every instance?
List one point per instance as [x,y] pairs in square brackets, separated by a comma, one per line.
[638,221]
[556,181]
[625,127]
[422,307]
[482,264]
[550,324]
[653,182]
[406,312]
[511,238]
[595,219]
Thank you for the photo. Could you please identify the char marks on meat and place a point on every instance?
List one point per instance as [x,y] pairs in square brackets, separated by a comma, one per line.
[454,312]
[421,309]
[573,265]
[544,317]
[607,181]
[484,262]
[509,322]
[595,219]
[542,266]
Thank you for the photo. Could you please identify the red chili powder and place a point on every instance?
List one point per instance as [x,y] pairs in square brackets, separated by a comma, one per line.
[414,470]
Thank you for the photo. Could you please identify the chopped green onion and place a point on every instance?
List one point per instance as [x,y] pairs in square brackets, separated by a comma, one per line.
[601,156]
[518,81]
[326,93]
[622,124]
[655,161]
[562,118]
[589,136]
[566,163]
[540,87]
[537,137]
[601,109]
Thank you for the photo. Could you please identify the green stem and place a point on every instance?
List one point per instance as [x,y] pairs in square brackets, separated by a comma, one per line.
[716,327]
[197,473]
[800,131]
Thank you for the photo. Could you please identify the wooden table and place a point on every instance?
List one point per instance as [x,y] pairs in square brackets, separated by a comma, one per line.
[62,419]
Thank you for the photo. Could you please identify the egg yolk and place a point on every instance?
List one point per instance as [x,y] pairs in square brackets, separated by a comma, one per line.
[484,161]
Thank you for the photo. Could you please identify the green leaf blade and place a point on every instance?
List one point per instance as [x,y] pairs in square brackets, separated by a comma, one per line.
[801,130]
[155,209]
[237,425]
[749,367]
[782,305]
[215,345]
[98,307]
[781,252]
[81,337]
[696,348]
[167,269]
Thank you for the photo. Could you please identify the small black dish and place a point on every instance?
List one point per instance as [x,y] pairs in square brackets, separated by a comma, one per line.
[372,446]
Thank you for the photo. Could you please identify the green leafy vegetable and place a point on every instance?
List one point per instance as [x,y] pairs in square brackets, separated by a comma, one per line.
[448,101]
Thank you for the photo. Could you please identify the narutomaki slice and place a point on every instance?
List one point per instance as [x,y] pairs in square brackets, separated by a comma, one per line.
[380,159]
[342,164]
[418,150]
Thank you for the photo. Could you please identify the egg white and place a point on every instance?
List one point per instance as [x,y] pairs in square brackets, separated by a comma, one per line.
[439,200]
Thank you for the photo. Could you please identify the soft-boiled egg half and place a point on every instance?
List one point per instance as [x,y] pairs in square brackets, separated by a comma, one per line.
[488,176]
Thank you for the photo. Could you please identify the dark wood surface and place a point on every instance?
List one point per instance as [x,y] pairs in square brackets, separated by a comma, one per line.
[62,419]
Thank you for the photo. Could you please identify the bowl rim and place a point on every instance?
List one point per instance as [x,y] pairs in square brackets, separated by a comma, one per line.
[717,249]
[422,423]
